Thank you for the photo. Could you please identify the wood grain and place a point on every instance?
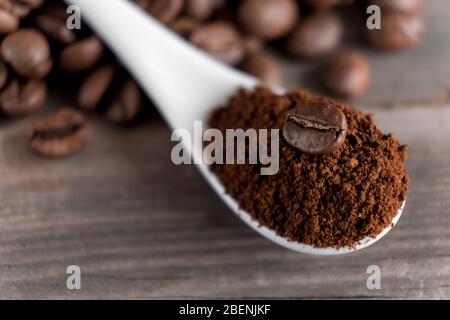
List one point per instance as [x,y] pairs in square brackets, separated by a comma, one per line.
[140,227]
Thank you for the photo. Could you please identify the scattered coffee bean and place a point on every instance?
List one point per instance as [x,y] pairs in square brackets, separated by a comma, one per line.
[263,66]
[252,44]
[95,86]
[184,26]
[268,19]
[55,28]
[81,55]
[8,22]
[163,10]
[112,93]
[316,35]
[61,133]
[398,31]
[401,6]
[200,9]
[16,8]
[315,128]
[28,52]
[126,105]
[348,75]
[21,99]
[221,40]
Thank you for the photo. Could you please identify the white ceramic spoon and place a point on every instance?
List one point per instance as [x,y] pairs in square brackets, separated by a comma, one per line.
[185,84]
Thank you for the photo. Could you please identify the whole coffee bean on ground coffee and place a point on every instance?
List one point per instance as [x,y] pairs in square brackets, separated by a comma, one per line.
[315,128]
[336,199]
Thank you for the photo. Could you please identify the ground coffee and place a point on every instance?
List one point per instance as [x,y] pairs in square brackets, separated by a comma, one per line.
[336,199]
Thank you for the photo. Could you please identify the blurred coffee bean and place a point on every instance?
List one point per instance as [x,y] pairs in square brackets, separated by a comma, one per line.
[17,99]
[108,91]
[28,52]
[60,133]
[163,10]
[252,44]
[20,8]
[316,35]
[55,28]
[56,9]
[184,26]
[199,9]
[8,22]
[401,6]
[263,66]
[94,87]
[348,75]
[221,40]
[398,31]
[81,55]
[323,5]
[15,8]
[126,106]
[268,19]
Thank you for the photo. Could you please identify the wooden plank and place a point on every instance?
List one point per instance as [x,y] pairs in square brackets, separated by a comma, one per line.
[140,227]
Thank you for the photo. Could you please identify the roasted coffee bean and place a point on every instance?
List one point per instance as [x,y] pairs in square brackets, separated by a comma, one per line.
[316,35]
[199,9]
[398,31]
[163,10]
[106,90]
[95,86]
[221,40]
[126,105]
[252,44]
[17,99]
[315,128]
[184,26]
[16,8]
[28,52]
[55,28]
[81,55]
[401,6]
[268,19]
[61,133]
[263,66]
[348,75]
[8,22]
[323,5]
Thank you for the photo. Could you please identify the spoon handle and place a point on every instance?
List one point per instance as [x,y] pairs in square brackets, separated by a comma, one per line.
[184,82]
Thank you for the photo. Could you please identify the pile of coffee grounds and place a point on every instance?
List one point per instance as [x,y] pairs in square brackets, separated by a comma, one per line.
[336,199]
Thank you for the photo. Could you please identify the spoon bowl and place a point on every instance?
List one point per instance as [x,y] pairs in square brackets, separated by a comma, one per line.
[186,85]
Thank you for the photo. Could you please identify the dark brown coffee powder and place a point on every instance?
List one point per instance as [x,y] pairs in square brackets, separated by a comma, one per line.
[336,199]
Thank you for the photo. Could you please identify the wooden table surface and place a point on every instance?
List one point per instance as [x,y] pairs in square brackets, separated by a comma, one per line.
[140,227]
